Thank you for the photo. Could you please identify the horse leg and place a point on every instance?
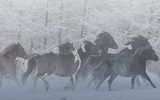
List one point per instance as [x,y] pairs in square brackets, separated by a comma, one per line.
[133,81]
[16,80]
[149,80]
[105,76]
[35,83]
[70,84]
[111,79]
[138,81]
[146,83]
[45,82]
[76,78]
[89,83]
[1,78]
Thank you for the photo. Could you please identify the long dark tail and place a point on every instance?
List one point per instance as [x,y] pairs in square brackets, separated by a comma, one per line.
[31,66]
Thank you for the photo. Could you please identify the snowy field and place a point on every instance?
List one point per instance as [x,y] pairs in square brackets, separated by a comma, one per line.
[121,90]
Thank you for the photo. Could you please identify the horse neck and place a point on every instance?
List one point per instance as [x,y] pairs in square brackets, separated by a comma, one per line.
[12,55]
[141,60]
[81,53]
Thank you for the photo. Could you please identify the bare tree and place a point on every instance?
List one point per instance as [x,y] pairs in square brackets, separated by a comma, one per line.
[31,46]
[46,24]
[20,25]
[61,24]
[83,18]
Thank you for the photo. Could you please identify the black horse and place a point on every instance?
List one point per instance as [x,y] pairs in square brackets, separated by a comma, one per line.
[132,66]
[63,64]
[100,72]
[64,48]
[103,42]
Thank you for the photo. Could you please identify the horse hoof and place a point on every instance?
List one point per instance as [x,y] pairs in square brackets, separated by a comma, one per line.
[154,87]
[46,88]
[96,88]
[73,88]
[67,88]
[88,86]
[110,90]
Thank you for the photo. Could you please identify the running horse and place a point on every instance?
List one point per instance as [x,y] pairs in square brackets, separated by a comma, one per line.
[100,73]
[7,61]
[123,59]
[103,42]
[62,65]
[132,66]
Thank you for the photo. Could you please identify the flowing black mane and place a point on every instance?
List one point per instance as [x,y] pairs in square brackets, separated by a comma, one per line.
[66,48]
[138,41]
[104,41]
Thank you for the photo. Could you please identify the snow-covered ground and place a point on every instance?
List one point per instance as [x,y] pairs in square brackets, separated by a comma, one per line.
[121,90]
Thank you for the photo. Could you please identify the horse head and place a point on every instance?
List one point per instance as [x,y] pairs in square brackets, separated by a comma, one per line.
[20,51]
[146,53]
[90,48]
[66,48]
[138,42]
[15,48]
[104,41]
[150,53]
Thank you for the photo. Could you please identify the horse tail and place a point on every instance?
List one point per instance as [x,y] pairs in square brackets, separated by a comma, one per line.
[31,66]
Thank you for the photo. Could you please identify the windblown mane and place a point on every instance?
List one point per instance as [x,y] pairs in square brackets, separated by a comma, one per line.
[8,48]
[140,50]
[65,47]
[139,40]
[102,39]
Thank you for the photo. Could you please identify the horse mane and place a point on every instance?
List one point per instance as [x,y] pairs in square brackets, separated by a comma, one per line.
[138,40]
[103,35]
[63,47]
[88,43]
[9,48]
[102,39]
[139,37]
[140,50]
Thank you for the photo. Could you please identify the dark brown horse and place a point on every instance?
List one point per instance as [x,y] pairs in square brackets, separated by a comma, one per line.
[99,71]
[7,60]
[103,42]
[132,66]
[84,52]
[63,65]
[64,48]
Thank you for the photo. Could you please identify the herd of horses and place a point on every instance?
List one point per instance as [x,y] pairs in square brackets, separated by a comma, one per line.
[90,60]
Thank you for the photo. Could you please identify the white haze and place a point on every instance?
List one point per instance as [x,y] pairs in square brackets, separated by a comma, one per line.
[24,21]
